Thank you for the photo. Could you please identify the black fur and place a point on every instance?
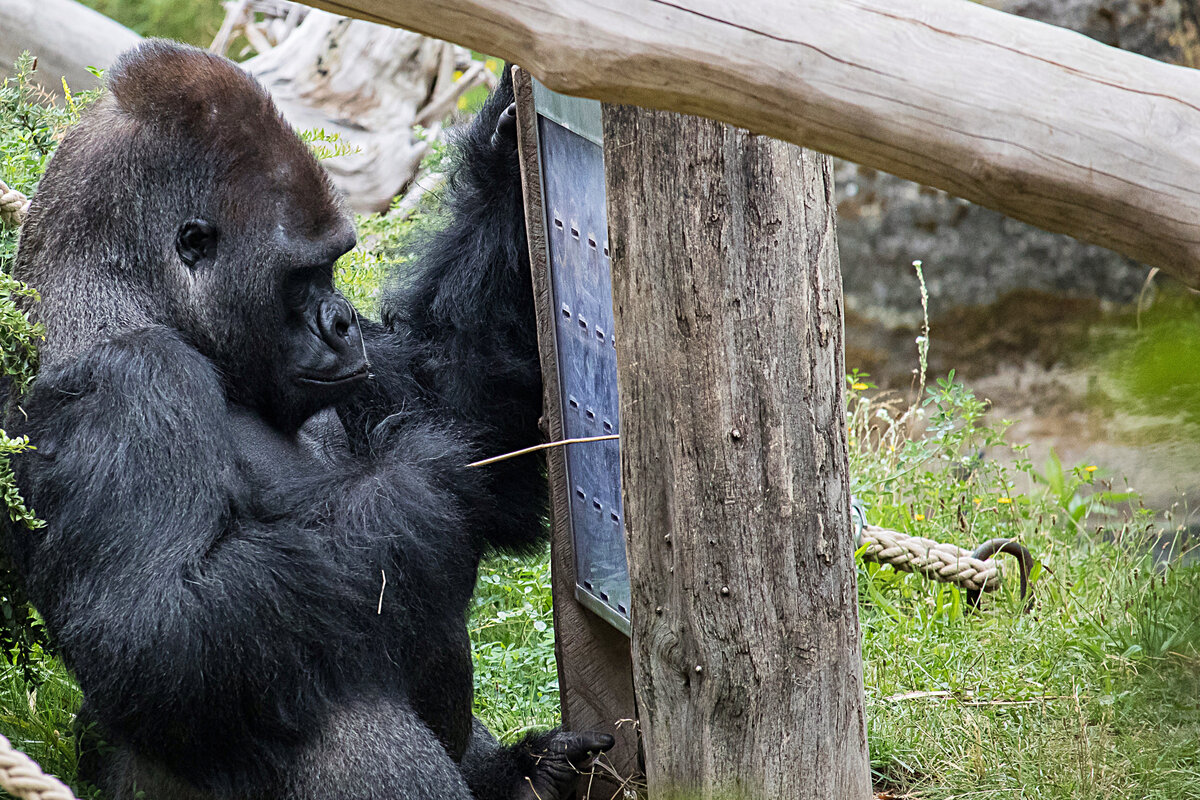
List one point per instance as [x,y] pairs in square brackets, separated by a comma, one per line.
[226,493]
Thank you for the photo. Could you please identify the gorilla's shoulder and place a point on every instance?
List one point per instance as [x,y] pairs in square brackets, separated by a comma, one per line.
[151,365]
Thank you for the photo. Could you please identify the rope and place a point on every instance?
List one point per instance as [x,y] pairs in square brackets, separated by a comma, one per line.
[975,571]
[948,563]
[14,206]
[21,777]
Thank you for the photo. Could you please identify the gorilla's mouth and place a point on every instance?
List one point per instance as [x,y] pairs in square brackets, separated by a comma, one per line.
[338,380]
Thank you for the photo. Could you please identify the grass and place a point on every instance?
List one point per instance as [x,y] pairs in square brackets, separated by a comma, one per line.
[195,22]
[1094,694]
[512,637]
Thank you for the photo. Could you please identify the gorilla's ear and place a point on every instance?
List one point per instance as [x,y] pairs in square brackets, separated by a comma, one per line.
[196,240]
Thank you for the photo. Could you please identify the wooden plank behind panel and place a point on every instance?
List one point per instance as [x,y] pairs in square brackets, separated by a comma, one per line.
[594,668]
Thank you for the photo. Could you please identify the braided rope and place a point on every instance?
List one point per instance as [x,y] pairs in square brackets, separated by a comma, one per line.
[937,560]
[14,206]
[21,777]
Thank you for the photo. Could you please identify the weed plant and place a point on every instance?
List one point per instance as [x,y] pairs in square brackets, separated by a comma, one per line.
[195,22]
[1095,692]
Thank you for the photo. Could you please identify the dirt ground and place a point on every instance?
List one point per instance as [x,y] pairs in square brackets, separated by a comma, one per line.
[1040,360]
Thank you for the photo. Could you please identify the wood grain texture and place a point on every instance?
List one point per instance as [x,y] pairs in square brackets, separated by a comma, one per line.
[727,300]
[595,674]
[1035,121]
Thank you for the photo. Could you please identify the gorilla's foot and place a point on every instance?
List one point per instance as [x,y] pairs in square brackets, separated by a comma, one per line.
[562,758]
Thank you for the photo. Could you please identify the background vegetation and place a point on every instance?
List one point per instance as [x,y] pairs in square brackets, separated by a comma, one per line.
[1094,693]
[195,21]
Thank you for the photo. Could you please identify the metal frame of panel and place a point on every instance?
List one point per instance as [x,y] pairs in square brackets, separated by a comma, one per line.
[576,231]
[594,660]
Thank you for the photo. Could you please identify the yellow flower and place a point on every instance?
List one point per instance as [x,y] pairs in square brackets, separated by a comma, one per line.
[859,387]
[1005,500]
[852,443]
[978,500]
[919,517]
[458,73]
[1090,468]
[491,64]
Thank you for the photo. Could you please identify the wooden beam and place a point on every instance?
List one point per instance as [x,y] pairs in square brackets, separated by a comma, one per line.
[1035,121]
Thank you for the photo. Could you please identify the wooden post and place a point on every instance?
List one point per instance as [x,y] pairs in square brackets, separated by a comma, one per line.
[727,298]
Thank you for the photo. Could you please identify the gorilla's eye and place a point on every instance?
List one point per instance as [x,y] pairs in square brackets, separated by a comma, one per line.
[196,240]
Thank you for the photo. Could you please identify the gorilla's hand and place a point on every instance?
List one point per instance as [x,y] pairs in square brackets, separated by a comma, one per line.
[563,758]
[504,137]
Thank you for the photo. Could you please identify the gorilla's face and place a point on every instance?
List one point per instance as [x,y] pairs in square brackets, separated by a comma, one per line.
[262,306]
[227,232]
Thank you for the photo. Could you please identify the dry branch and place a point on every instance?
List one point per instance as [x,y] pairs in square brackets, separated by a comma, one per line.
[1037,122]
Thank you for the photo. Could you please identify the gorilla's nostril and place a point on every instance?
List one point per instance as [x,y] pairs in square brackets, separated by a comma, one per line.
[336,322]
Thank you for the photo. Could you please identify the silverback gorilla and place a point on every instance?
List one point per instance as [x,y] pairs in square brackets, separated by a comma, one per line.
[231,462]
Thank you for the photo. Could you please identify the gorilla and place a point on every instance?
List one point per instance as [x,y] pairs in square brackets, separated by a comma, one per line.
[262,533]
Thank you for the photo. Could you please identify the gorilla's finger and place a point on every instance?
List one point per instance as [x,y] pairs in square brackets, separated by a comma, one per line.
[578,748]
[506,127]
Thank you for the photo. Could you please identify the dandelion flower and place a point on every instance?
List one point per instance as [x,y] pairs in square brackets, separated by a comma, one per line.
[1005,500]
[859,387]
[1090,468]
[919,517]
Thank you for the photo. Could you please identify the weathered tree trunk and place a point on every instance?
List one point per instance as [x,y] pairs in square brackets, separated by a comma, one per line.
[727,300]
[973,255]
[65,36]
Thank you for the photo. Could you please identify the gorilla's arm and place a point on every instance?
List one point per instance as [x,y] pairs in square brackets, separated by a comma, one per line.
[459,332]
[208,616]
[467,306]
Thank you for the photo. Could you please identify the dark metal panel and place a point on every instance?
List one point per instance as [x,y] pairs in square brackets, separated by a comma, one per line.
[577,241]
